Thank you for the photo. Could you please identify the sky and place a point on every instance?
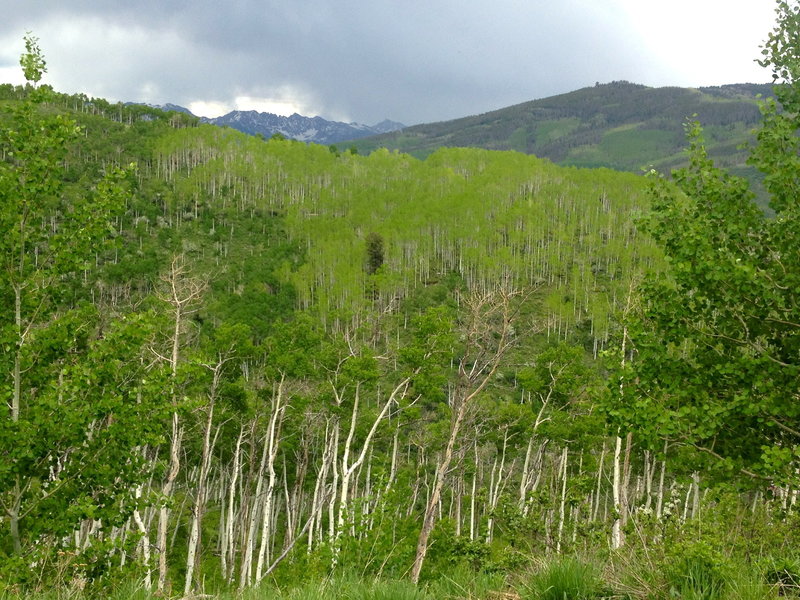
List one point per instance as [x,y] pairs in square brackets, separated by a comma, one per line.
[413,61]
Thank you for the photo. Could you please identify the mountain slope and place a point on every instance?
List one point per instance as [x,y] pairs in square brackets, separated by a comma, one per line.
[619,125]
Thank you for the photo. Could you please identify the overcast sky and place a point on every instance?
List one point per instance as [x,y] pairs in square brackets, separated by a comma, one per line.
[412,61]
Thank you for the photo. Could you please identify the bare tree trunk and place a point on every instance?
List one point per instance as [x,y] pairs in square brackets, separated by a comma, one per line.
[246,567]
[487,342]
[433,501]
[596,510]
[317,503]
[334,485]
[228,550]
[182,292]
[167,490]
[473,517]
[660,497]
[272,442]
[144,542]
[205,466]
[13,511]
[563,504]
[617,535]
[496,489]
[348,469]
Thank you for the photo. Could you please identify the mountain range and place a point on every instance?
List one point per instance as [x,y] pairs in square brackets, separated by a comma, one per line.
[296,127]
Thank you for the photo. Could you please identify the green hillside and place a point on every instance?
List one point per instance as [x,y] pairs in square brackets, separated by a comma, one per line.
[238,367]
[619,125]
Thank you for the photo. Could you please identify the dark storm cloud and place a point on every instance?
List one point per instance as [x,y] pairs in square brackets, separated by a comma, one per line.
[412,61]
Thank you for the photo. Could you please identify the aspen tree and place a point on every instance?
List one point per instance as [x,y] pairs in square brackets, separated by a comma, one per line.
[181,292]
[489,335]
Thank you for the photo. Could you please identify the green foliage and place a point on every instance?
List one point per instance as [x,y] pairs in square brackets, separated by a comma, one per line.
[716,340]
[696,572]
[784,574]
[335,278]
[564,579]
[375,252]
[32,62]
[76,404]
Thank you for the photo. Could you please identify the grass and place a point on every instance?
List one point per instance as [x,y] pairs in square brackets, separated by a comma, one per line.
[565,578]
[696,572]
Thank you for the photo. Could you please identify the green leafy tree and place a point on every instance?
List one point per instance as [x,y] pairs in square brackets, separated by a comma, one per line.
[375,252]
[73,400]
[716,359]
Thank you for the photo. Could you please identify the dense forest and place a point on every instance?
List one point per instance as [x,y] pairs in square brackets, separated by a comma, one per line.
[266,369]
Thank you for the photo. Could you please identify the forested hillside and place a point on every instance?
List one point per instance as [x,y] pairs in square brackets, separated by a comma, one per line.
[231,362]
[619,125]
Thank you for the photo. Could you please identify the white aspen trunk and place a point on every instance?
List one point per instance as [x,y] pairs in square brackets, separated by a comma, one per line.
[334,485]
[617,539]
[182,292]
[246,568]
[597,494]
[167,491]
[617,535]
[349,469]
[202,479]
[563,504]
[686,503]
[490,500]
[229,547]
[223,541]
[367,504]
[649,470]
[575,519]
[660,496]
[626,480]
[538,465]
[393,468]
[525,477]
[457,499]
[295,510]
[473,522]
[144,542]
[289,507]
[346,471]
[319,487]
[695,494]
[272,443]
[497,488]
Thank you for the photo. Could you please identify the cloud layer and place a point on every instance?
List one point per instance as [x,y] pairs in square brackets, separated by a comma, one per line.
[365,60]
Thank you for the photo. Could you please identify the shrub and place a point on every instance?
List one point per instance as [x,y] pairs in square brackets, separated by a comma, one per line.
[697,572]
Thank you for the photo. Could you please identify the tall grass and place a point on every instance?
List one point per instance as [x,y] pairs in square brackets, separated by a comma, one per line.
[565,578]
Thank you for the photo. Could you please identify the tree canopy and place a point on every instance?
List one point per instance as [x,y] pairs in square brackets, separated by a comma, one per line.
[716,342]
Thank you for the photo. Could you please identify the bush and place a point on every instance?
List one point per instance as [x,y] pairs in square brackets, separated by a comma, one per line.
[697,572]
[784,573]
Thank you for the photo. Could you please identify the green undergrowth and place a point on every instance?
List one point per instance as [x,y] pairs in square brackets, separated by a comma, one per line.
[693,570]
[459,584]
